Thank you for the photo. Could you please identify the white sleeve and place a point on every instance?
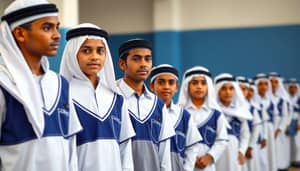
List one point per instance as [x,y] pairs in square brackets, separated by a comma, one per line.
[167,131]
[221,140]
[265,121]
[73,154]
[165,155]
[2,110]
[193,138]
[256,129]
[244,138]
[126,155]
[286,117]
[126,133]
[127,130]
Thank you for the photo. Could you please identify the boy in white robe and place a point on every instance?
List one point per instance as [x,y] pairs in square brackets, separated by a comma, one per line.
[294,93]
[36,124]
[281,119]
[164,83]
[105,141]
[252,154]
[263,99]
[197,95]
[236,111]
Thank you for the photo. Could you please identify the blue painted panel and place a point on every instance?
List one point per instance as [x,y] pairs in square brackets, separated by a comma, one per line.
[240,51]
[55,61]
[244,51]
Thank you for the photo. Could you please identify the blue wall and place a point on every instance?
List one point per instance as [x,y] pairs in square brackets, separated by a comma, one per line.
[244,51]
[240,51]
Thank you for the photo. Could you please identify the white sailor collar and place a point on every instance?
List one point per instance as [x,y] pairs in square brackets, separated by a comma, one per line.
[174,108]
[127,91]
[231,106]
[190,105]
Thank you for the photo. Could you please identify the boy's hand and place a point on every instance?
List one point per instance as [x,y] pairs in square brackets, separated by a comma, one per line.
[277,131]
[263,143]
[203,161]
[241,159]
[249,153]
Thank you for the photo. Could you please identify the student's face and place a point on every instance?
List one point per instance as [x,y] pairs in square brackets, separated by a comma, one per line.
[226,93]
[293,89]
[274,84]
[262,87]
[137,65]
[244,89]
[250,94]
[91,57]
[165,86]
[42,39]
[198,88]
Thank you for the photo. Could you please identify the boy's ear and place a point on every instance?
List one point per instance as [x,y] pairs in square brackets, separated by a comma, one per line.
[177,86]
[19,34]
[151,86]
[122,64]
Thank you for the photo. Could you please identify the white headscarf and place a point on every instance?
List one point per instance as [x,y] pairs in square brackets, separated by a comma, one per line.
[252,86]
[27,91]
[240,107]
[281,91]
[163,69]
[243,81]
[293,81]
[69,67]
[260,77]
[184,96]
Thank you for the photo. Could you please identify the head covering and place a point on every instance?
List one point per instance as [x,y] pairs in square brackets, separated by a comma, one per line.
[17,13]
[256,97]
[294,81]
[240,107]
[281,91]
[189,74]
[254,88]
[251,83]
[70,68]
[243,80]
[163,69]
[133,44]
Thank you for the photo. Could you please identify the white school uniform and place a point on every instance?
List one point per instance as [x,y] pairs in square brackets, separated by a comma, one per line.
[105,141]
[150,120]
[36,124]
[267,107]
[255,127]
[215,137]
[295,140]
[210,121]
[185,143]
[237,114]
[281,119]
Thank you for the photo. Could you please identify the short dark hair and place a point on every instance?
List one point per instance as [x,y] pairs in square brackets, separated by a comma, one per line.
[26,26]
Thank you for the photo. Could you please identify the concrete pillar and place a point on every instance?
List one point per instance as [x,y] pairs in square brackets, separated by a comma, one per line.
[69,17]
[166,23]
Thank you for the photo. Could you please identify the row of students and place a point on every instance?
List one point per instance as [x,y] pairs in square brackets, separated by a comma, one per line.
[85,120]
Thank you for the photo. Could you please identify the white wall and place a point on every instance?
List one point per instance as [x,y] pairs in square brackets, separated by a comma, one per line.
[238,13]
[131,16]
[125,16]
[68,10]
[118,16]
